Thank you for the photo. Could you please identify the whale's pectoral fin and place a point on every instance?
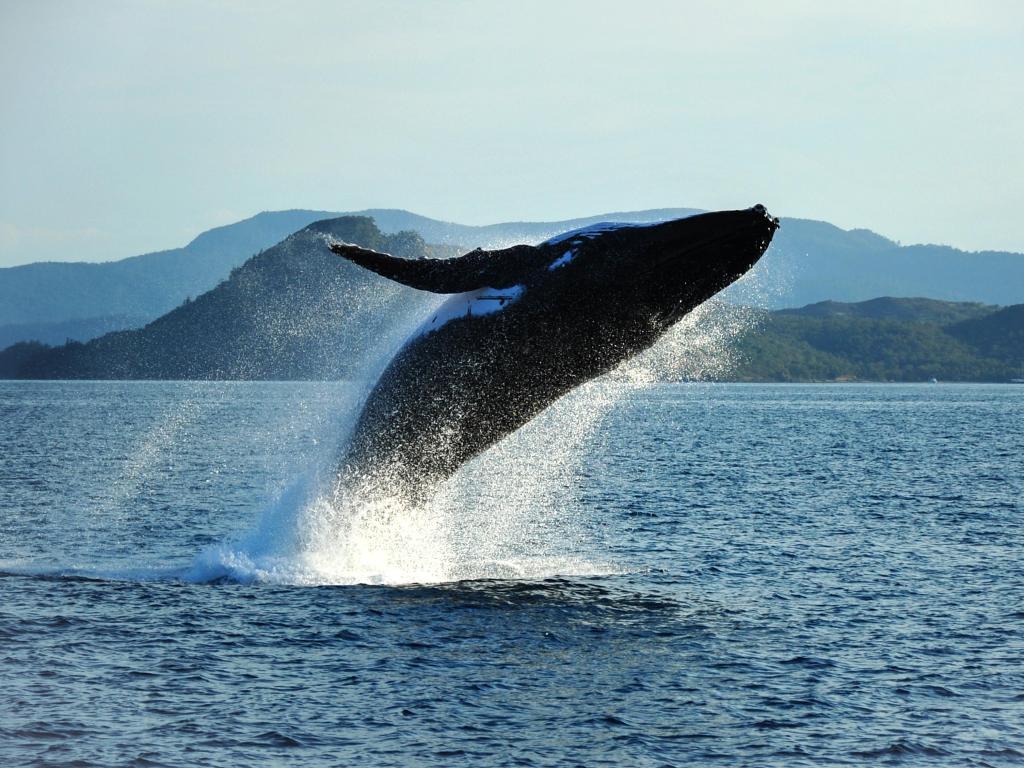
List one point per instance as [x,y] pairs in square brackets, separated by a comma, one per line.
[476,269]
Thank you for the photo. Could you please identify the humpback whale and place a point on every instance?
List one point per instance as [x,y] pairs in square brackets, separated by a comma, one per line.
[525,325]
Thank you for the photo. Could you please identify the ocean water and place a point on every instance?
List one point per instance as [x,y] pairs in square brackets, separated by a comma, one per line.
[647,575]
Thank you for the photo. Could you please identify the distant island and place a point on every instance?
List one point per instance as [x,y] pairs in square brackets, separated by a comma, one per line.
[295,311]
[886,339]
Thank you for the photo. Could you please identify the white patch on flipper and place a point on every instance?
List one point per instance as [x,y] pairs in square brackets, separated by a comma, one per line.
[482,301]
[562,260]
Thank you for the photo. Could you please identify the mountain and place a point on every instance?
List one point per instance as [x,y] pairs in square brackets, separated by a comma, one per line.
[16,357]
[40,301]
[507,233]
[813,261]
[809,261]
[889,308]
[141,286]
[999,335]
[294,311]
[884,340]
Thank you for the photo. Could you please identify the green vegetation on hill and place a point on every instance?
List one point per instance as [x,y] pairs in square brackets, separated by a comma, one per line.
[999,335]
[864,342]
[888,308]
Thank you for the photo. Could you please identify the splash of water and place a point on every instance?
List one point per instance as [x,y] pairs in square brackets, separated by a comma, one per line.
[512,512]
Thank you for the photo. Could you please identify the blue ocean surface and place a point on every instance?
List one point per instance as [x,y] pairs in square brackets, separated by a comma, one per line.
[645,575]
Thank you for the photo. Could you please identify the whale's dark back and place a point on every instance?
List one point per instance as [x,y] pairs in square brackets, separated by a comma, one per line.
[490,360]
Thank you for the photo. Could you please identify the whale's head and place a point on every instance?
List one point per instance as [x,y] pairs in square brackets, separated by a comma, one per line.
[658,272]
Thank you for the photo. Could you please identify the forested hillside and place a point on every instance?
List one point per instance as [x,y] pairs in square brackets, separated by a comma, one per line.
[885,340]
[295,311]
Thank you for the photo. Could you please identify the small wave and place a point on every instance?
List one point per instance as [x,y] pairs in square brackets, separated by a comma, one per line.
[86,573]
[901,748]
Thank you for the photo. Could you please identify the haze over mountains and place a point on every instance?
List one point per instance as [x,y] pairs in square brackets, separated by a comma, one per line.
[140,287]
[809,261]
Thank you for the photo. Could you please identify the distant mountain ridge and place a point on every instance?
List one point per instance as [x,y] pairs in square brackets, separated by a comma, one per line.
[391,220]
[890,308]
[145,287]
[812,261]
[296,311]
[141,286]
[809,261]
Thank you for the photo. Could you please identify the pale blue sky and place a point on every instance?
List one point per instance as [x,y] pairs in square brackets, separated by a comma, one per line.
[130,127]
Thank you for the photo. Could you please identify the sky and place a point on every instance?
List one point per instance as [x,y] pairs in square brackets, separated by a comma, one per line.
[130,127]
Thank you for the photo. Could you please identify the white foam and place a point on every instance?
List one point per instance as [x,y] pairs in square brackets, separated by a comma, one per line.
[509,514]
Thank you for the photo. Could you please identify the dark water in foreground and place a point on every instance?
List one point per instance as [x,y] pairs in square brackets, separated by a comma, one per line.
[706,575]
